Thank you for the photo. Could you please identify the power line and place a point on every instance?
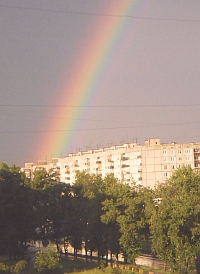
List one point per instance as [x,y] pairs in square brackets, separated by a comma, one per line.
[95,129]
[60,118]
[102,106]
[146,124]
[103,14]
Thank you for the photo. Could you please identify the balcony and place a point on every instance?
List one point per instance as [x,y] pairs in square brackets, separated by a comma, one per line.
[124,158]
[110,161]
[98,162]
[124,166]
[67,172]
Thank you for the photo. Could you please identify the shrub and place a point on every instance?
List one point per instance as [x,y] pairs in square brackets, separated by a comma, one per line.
[49,262]
[19,266]
[4,269]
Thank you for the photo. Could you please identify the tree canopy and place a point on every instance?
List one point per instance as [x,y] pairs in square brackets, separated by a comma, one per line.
[175,221]
[102,215]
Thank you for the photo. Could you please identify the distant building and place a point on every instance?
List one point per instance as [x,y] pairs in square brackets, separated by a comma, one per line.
[124,162]
[160,160]
[30,168]
[146,165]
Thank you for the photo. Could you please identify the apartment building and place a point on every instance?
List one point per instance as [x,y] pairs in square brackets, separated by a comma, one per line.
[30,168]
[160,160]
[124,162]
[146,165]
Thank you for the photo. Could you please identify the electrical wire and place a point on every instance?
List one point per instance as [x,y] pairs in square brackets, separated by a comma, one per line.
[102,14]
[96,129]
[100,106]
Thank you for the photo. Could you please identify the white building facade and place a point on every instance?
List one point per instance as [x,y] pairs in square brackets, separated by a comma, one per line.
[124,162]
[146,165]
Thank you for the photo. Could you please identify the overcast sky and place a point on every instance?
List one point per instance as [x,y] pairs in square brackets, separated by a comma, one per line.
[151,83]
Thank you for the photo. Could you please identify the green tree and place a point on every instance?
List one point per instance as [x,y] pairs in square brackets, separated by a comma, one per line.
[43,178]
[51,205]
[176,218]
[87,190]
[59,196]
[126,206]
[16,211]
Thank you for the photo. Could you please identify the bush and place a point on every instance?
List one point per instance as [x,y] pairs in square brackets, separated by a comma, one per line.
[49,262]
[19,266]
[4,269]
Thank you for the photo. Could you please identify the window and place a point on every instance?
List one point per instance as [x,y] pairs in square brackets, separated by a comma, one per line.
[172,159]
[165,174]
[165,159]
[172,151]
[164,151]
[187,158]
[173,166]
[179,151]
[180,158]
[165,166]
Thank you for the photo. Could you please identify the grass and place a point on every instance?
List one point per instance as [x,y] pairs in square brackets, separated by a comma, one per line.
[87,267]
[71,266]
[79,266]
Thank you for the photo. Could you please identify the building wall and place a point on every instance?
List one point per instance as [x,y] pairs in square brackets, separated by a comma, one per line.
[121,161]
[148,164]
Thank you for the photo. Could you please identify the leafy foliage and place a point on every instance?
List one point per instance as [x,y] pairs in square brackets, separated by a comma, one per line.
[48,262]
[100,215]
[125,205]
[12,269]
[175,221]
[4,268]
[16,212]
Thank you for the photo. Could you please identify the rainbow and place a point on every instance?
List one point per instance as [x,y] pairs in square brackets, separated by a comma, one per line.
[111,37]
